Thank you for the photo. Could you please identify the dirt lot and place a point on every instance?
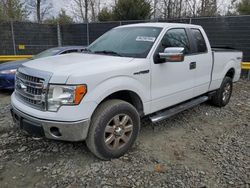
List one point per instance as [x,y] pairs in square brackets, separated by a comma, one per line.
[202,147]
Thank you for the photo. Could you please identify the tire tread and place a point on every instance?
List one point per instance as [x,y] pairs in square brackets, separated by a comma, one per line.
[98,115]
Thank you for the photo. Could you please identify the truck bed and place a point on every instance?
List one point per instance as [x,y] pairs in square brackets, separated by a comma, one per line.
[223,58]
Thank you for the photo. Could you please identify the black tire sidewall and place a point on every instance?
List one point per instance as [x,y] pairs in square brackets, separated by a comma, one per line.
[101,124]
[224,83]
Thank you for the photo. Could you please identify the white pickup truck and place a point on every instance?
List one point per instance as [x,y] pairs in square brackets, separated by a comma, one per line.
[150,69]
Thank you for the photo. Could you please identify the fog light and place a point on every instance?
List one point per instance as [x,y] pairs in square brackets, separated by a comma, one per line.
[55,132]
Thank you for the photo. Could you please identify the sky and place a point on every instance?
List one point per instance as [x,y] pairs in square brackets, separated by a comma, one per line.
[67,6]
[59,4]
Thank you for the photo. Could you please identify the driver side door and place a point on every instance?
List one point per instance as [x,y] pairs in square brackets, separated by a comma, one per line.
[172,82]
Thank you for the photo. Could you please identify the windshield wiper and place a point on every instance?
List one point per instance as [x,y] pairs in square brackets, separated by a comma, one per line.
[108,52]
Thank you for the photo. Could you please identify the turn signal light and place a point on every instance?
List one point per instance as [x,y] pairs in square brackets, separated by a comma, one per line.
[80,91]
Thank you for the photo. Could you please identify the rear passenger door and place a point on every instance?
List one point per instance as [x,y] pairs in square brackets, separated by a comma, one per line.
[203,58]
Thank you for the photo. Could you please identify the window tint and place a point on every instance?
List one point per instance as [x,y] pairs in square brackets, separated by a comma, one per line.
[175,38]
[199,40]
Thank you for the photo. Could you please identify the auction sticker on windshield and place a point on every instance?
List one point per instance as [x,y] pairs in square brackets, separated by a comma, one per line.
[145,39]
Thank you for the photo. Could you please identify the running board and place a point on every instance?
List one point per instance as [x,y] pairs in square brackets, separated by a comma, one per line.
[178,108]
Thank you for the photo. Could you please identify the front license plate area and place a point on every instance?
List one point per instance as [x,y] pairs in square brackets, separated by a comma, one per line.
[31,128]
[27,126]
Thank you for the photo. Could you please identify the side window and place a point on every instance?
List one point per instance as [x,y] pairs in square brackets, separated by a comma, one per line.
[69,51]
[175,38]
[199,41]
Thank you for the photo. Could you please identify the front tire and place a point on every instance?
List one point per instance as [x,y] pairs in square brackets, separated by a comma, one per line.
[223,94]
[114,128]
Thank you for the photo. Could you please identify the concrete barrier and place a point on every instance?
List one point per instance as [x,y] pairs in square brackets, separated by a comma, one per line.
[5,58]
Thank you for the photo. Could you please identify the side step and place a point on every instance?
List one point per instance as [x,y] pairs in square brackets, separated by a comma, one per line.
[176,109]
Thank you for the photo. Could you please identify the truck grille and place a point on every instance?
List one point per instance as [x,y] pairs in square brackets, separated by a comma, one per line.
[30,89]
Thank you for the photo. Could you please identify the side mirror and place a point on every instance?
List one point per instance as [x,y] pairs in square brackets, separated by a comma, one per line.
[172,54]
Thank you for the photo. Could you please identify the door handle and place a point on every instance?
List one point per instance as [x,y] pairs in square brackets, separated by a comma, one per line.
[192,65]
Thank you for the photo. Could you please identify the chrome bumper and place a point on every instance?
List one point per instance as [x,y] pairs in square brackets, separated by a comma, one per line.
[66,131]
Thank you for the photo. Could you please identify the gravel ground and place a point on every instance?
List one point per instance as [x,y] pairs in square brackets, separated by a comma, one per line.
[201,147]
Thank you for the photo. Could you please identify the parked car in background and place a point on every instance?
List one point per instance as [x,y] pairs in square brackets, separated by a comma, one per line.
[8,70]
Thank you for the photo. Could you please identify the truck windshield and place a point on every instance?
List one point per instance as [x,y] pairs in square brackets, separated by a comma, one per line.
[127,42]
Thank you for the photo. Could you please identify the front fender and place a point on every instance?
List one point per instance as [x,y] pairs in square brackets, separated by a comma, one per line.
[115,84]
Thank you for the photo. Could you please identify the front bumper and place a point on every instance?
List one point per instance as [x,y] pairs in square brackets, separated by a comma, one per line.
[66,131]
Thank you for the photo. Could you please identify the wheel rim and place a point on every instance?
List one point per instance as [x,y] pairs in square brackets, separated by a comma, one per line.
[227,92]
[118,131]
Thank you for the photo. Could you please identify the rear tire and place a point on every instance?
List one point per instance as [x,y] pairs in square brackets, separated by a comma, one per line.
[223,94]
[114,128]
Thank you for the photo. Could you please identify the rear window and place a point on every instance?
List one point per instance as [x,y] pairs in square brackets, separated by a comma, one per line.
[200,41]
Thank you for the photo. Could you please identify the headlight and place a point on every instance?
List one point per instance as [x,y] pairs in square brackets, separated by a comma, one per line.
[59,95]
[10,71]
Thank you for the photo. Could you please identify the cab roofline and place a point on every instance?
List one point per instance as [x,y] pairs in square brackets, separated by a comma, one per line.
[159,24]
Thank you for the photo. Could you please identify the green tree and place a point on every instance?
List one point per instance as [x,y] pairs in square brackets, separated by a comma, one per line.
[244,7]
[62,19]
[105,15]
[13,10]
[132,10]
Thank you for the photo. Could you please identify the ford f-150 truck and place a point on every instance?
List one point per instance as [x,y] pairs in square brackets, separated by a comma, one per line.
[150,69]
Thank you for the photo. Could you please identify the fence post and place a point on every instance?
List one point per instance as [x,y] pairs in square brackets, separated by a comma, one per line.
[13,37]
[87,33]
[190,21]
[59,36]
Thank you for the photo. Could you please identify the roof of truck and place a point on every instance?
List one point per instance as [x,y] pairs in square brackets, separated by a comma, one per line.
[160,24]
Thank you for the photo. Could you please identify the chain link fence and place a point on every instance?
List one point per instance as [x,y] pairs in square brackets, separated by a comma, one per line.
[20,38]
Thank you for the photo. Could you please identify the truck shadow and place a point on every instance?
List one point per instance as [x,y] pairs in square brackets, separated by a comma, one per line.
[6,92]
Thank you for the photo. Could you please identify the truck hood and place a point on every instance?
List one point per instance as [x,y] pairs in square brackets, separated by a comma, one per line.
[63,66]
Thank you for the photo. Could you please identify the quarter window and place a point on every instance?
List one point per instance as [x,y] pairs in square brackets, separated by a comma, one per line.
[199,41]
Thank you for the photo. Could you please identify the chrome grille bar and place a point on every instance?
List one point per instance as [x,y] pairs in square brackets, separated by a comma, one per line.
[31,84]
[30,89]
[29,96]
